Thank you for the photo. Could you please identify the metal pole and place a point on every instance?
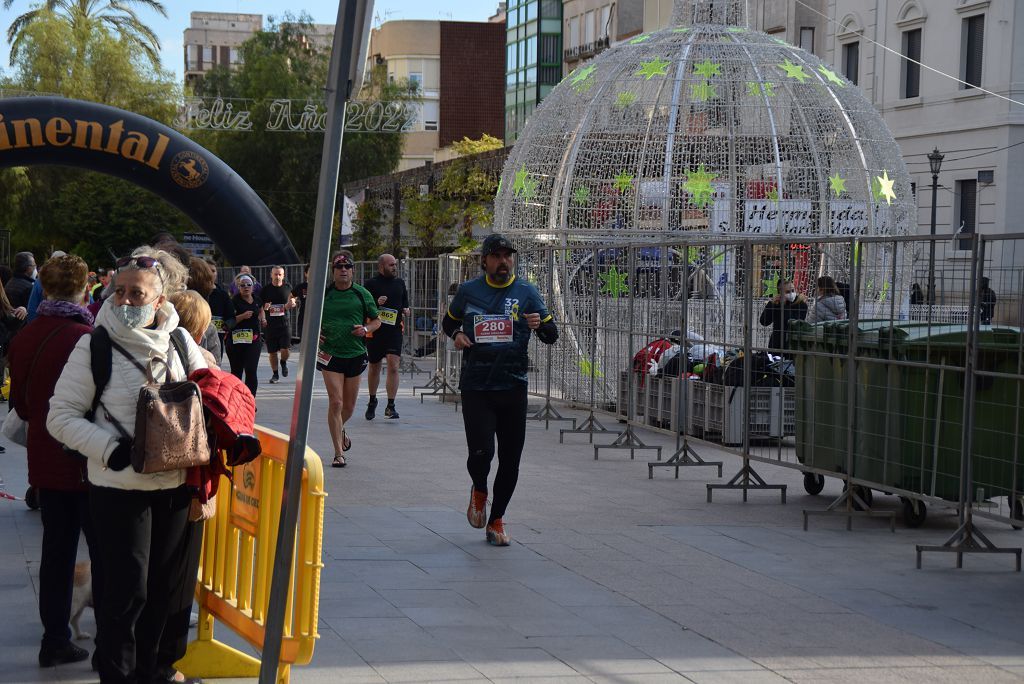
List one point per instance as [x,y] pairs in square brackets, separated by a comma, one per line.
[347,56]
[929,296]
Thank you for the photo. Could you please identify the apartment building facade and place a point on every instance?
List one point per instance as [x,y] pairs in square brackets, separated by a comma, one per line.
[591,26]
[459,69]
[215,39]
[981,43]
[533,63]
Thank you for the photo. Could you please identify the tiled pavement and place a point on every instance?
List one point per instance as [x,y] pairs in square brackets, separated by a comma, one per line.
[612,577]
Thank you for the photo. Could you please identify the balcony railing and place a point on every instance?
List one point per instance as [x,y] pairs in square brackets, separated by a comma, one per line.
[586,50]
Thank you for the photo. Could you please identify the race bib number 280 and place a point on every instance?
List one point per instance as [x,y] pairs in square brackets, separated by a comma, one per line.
[491,329]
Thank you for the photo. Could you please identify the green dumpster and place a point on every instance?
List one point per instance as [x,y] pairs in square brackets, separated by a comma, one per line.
[926,442]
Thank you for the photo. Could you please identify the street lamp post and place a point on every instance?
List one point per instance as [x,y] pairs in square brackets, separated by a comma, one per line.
[935,163]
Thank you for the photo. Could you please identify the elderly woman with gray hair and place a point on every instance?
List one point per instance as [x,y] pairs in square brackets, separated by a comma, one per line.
[140,519]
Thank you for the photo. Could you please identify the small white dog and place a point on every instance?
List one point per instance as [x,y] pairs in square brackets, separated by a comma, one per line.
[81,597]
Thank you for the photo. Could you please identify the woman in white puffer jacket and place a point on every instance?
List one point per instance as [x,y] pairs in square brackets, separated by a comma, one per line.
[140,520]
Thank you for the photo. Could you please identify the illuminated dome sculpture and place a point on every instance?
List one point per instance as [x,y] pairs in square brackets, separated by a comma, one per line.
[703,132]
[702,129]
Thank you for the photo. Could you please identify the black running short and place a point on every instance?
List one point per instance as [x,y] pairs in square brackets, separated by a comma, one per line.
[277,339]
[377,347]
[350,368]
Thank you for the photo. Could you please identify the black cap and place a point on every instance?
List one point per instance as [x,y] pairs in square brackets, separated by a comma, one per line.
[494,242]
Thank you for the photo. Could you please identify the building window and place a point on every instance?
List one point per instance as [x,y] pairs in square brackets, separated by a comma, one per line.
[428,112]
[531,50]
[207,56]
[910,85]
[972,50]
[966,210]
[531,11]
[417,78]
[589,28]
[510,57]
[236,58]
[605,29]
[192,58]
[549,49]
[851,61]
[807,38]
[574,32]
[550,9]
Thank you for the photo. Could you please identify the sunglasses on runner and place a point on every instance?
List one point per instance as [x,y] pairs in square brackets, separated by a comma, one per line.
[344,265]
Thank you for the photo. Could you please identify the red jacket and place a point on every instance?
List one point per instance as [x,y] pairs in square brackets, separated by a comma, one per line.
[49,466]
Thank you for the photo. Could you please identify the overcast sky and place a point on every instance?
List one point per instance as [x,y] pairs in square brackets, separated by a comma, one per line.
[170,30]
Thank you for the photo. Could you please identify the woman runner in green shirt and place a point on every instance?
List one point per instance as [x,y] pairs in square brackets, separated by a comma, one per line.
[349,313]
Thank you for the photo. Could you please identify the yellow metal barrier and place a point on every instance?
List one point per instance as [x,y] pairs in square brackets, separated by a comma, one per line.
[238,557]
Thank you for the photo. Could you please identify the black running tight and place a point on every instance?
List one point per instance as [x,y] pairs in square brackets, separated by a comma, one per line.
[490,414]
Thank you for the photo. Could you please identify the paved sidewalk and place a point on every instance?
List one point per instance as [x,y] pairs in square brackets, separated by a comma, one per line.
[611,578]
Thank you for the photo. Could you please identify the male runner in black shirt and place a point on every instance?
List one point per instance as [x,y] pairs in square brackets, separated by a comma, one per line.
[392,299]
[277,300]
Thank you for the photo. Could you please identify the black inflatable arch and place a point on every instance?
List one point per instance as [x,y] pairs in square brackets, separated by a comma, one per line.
[63,132]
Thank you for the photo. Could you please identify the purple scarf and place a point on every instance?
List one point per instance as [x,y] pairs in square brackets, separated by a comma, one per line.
[62,309]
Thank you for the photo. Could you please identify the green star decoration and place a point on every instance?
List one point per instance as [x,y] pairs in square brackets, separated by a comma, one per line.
[771,285]
[884,188]
[580,80]
[652,68]
[755,89]
[885,291]
[614,283]
[702,92]
[707,69]
[639,39]
[590,369]
[519,184]
[736,29]
[692,255]
[623,181]
[530,188]
[794,71]
[773,195]
[719,258]
[698,185]
[838,184]
[831,76]
[624,99]
[582,195]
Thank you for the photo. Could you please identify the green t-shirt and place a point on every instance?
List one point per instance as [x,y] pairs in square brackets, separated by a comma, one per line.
[342,310]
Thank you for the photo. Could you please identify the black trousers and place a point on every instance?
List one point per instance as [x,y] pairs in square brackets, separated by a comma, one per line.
[174,641]
[142,538]
[488,415]
[245,360]
[65,516]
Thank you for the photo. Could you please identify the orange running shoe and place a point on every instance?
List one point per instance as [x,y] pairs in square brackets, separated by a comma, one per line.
[496,534]
[477,511]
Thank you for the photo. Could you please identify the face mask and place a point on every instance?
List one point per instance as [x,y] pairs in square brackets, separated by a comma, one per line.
[791,296]
[35,273]
[134,316]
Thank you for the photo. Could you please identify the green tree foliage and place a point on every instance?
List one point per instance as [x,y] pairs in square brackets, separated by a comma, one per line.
[369,239]
[463,199]
[92,214]
[284,168]
[432,219]
[83,19]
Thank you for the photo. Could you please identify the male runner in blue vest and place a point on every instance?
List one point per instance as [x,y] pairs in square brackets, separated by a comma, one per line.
[490,320]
